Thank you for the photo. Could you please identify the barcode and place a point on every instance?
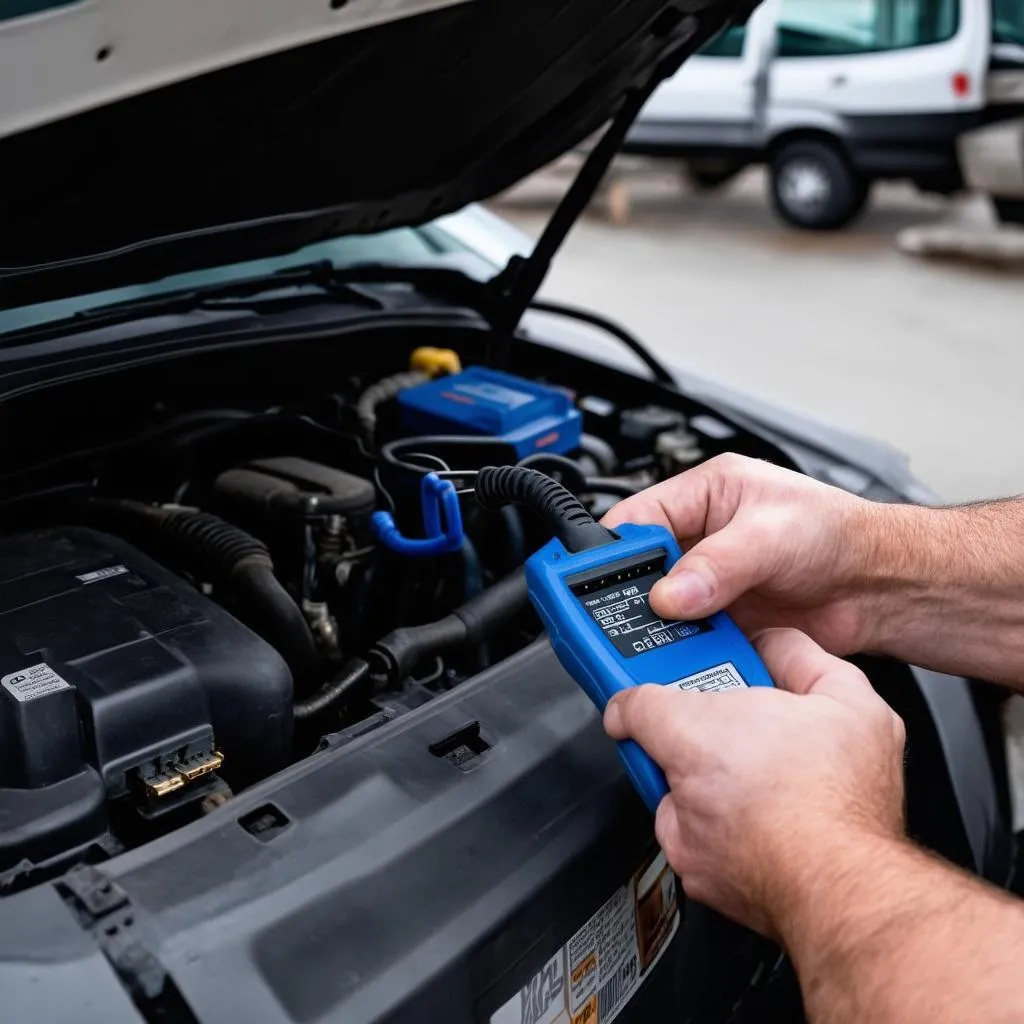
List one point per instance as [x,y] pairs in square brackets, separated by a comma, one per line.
[616,989]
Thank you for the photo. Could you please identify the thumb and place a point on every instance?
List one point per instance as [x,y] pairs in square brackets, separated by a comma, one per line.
[796,663]
[715,572]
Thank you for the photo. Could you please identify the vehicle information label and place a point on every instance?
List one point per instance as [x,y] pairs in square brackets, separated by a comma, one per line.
[595,974]
[102,574]
[720,677]
[30,683]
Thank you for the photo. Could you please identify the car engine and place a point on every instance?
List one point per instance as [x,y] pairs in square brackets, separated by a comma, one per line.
[192,607]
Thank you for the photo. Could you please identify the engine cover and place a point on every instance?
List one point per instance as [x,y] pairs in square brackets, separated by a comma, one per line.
[525,414]
[119,681]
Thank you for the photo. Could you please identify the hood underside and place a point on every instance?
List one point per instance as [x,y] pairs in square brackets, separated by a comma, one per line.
[389,125]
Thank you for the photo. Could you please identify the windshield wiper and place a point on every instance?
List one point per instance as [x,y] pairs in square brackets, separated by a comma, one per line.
[293,287]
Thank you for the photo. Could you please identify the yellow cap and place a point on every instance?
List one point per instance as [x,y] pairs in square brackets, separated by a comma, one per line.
[435,361]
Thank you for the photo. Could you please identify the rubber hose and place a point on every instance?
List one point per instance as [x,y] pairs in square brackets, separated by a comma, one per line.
[568,472]
[563,514]
[376,394]
[600,451]
[471,623]
[347,683]
[602,485]
[515,552]
[208,547]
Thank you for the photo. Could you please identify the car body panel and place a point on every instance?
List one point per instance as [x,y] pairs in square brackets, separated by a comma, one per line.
[352,133]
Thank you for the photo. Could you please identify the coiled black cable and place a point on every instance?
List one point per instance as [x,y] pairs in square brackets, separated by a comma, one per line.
[563,514]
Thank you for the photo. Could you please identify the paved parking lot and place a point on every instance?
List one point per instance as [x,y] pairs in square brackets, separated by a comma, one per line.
[929,356]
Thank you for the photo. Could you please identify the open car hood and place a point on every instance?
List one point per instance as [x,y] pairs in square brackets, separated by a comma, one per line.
[141,138]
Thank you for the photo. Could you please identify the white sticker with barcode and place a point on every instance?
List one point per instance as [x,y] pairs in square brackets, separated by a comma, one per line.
[595,974]
[33,682]
[719,677]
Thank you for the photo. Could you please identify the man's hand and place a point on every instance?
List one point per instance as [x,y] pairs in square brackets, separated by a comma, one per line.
[776,547]
[767,784]
[935,587]
[786,813]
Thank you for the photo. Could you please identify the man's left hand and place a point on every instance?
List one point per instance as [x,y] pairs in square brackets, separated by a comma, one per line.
[766,782]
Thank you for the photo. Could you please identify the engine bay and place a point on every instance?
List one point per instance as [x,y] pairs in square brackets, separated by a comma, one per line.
[194,596]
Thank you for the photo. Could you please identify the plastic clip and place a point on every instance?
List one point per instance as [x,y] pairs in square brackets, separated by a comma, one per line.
[442,522]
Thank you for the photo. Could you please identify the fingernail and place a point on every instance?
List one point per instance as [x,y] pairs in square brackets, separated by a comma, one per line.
[687,591]
[613,717]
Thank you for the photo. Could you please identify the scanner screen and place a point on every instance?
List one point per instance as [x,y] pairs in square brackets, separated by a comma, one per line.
[618,605]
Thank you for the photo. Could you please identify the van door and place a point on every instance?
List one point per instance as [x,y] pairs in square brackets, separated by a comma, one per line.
[715,100]
[895,81]
[882,57]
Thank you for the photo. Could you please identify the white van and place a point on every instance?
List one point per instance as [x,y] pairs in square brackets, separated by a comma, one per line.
[836,94]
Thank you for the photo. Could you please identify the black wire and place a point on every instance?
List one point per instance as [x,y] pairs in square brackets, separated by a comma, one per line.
[571,476]
[521,279]
[658,369]
[396,455]
[559,467]
[444,467]
[602,485]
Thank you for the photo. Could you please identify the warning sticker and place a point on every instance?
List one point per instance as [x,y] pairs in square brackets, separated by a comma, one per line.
[720,677]
[37,681]
[592,977]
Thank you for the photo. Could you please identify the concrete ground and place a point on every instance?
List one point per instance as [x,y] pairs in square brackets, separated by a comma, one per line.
[927,355]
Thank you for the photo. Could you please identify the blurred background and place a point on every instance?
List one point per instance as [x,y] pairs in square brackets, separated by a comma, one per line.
[823,207]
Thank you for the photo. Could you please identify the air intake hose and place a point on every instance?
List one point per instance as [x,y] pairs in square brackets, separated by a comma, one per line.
[234,561]
[472,623]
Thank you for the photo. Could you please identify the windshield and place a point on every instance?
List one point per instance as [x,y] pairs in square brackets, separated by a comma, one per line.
[1008,21]
[400,246]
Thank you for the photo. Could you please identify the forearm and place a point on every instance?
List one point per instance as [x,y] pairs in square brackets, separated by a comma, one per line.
[881,931]
[946,587]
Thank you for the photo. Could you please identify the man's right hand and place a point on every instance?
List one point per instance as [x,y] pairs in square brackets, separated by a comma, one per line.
[776,547]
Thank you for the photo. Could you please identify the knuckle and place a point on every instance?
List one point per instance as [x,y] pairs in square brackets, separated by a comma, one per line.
[697,887]
[728,463]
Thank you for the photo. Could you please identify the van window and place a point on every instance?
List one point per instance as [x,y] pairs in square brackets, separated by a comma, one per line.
[1008,21]
[829,28]
[728,43]
[19,8]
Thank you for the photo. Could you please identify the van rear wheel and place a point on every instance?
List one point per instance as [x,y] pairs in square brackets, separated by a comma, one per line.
[813,186]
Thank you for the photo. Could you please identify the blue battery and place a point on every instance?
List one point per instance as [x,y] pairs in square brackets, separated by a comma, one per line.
[530,417]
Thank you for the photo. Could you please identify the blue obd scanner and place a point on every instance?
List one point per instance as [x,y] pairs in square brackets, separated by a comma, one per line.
[591,588]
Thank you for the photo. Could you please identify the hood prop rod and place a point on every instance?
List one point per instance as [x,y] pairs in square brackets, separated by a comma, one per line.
[514,287]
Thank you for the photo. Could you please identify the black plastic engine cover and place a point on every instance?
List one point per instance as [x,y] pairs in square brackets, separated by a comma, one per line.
[108,663]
